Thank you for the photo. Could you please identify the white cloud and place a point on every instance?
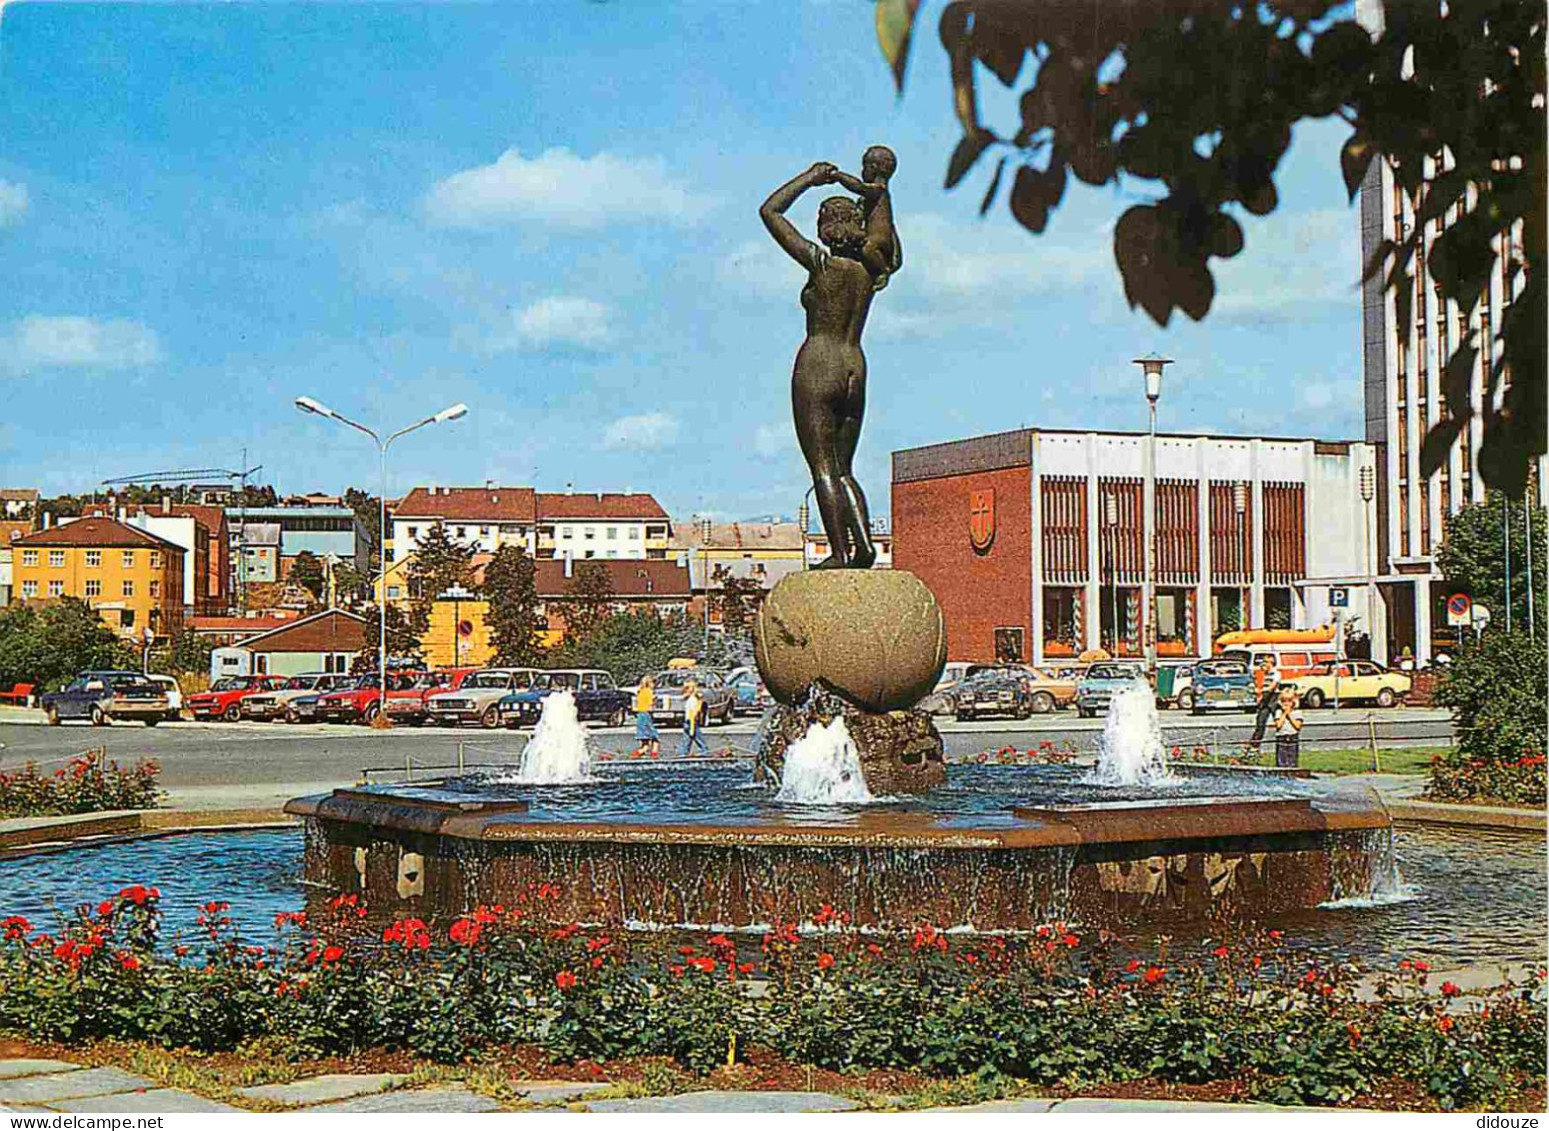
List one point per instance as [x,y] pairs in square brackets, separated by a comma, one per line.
[558,321]
[1291,265]
[564,188]
[41,341]
[648,430]
[13,202]
[1316,394]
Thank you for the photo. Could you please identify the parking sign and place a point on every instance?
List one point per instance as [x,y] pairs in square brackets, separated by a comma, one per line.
[1339,597]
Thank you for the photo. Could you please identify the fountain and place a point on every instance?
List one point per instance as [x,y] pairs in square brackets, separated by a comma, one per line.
[848,652]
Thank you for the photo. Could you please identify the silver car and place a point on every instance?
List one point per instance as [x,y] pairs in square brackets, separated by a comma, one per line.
[266,706]
[478,699]
[720,700]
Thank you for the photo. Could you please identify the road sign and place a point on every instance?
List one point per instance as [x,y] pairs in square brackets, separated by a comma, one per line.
[1339,597]
[1459,608]
[1481,616]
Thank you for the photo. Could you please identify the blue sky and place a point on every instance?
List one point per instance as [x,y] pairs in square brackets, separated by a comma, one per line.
[549,210]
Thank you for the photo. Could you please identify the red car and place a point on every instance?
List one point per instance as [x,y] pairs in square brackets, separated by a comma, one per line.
[408,705]
[362,701]
[224,699]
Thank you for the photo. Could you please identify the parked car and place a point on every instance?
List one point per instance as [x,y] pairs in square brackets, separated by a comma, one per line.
[1360,681]
[173,692]
[1044,691]
[1218,685]
[224,699]
[106,696]
[478,699]
[712,689]
[408,706]
[266,706]
[749,695]
[597,697]
[1101,680]
[361,701]
[993,691]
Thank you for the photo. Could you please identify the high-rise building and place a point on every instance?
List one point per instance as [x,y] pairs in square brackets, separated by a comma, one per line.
[1405,395]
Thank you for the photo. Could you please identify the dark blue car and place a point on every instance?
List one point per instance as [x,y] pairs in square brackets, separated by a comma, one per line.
[105,696]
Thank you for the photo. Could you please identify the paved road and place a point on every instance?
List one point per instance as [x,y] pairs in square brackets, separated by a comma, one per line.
[199,756]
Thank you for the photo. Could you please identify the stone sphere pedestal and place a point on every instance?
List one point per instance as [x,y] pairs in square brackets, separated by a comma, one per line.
[869,644]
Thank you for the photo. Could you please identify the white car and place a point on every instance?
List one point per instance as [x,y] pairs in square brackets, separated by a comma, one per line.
[174,694]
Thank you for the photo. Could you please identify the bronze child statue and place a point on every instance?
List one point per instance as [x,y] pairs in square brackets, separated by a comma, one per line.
[858,252]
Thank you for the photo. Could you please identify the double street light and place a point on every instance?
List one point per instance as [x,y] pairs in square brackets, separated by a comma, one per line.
[452,412]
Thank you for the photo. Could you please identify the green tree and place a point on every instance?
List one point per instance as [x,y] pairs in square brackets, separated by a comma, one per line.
[350,585]
[1473,558]
[1496,690]
[405,632]
[189,653]
[368,513]
[736,602]
[1192,103]
[629,645]
[588,596]
[47,646]
[307,572]
[511,588]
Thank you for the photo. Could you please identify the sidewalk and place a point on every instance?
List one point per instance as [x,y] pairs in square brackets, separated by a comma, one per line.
[63,1086]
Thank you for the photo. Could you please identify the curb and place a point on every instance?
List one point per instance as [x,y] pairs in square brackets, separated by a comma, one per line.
[24,834]
[1474,816]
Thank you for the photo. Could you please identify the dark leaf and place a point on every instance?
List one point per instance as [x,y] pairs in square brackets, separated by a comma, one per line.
[1355,157]
[1160,271]
[1035,194]
[1438,443]
[989,193]
[1224,236]
[1462,258]
[1456,378]
[999,45]
[1377,258]
[966,153]
[954,24]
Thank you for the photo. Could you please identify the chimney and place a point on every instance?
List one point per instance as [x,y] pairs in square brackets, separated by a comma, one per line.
[570,488]
[48,520]
[166,504]
[489,484]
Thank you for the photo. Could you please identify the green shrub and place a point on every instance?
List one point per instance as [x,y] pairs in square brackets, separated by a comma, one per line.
[87,784]
[1496,691]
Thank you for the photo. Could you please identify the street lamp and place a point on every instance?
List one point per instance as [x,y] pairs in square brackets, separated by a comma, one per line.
[451,412]
[1111,528]
[1240,506]
[1368,481]
[1152,366]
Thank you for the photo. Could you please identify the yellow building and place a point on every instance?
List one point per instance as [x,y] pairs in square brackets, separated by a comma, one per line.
[458,635]
[131,577]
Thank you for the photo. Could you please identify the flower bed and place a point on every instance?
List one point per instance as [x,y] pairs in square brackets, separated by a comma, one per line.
[1056,1009]
[88,783]
[1459,777]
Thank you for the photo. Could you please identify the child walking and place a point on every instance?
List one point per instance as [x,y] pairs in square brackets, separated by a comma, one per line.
[693,720]
[647,741]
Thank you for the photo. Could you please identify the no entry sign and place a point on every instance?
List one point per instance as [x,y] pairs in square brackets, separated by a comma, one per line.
[1459,610]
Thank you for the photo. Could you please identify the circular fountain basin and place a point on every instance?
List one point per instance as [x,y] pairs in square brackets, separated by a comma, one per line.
[1002,849]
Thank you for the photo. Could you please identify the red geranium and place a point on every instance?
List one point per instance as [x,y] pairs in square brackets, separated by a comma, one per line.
[565,980]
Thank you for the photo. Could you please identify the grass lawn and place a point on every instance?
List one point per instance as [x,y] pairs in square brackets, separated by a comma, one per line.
[1358,760]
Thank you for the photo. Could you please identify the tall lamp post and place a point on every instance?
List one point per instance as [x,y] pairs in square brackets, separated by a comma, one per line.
[1368,493]
[452,412]
[1240,506]
[1111,529]
[1151,365]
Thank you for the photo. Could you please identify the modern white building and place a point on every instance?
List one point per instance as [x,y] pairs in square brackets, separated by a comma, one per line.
[481,518]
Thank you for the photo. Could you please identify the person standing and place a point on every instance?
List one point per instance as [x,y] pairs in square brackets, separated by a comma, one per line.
[647,741]
[693,720]
[1266,683]
[1288,731]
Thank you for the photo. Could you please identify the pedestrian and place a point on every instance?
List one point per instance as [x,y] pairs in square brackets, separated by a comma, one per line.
[647,741]
[1266,684]
[693,720]
[1288,731]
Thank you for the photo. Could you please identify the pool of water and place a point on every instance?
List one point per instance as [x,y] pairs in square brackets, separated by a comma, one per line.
[1469,897]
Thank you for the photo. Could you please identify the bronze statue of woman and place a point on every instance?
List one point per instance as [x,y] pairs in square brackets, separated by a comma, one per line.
[859,250]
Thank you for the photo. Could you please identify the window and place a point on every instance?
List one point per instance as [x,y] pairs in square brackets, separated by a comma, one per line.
[393,592]
[93,558]
[590,533]
[29,557]
[128,588]
[155,589]
[564,532]
[155,559]
[484,532]
[462,532]
[128,559]
[56,559]
[29,589]
[1008,645]
[414,532]
[126,618]
[94,588]
[56,588]
[613,533]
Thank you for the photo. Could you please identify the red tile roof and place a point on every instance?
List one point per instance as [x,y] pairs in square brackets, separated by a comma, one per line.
[585,504]
[12,529]
[96,531]
[472,504]
[653,578]
[238,625]
[332,630]
[212,518]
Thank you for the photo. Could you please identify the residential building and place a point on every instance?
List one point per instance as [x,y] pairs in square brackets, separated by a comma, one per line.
[200,530]
[639,585]
[762,552]
[327,641]
[1033,541]
[603,525]
[10,529]
[221,630]
[133,578]
[19,502]
[1405,396]
[481,518]
[255,553]
[881,538]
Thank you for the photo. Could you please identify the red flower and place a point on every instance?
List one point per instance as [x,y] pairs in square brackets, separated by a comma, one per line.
[720,940]
[873,948]
[1072,941]
[128,961]
[745,968]
[678,971]
[1450,989]
[1132,966]
[1423,967]
[825,960]
[1221,951]
[597,962]
[466,932]
[703,962]
[105,908]
[1155,974]
[290,918]
[1444,1023]
[686,951]
[15,927]
[139,893]
[1274,934]
[332,953]
[564,980]
[411,933]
